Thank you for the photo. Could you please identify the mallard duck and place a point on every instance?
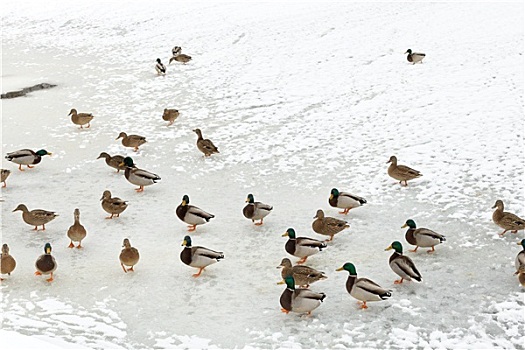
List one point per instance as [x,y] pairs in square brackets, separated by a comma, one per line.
[138,176]
[36,217]
[362,288]
[4,175]
[176,50]
[205,145]
[113,205]
[132,140]
[519,264]
[46,263]
[520,258]
[299,300]
[345,200]
[129,256]
[170,115]
[401,172]
[180,57]
[113,161]
[422,237]
[414,57]
[302,247]
[303,275]
[507,221]
[26,157]
[402,265]
[76,232]
[80,118]
[198,257]
[7,262]
[256,210]
[328,226]
[191,214]
[160,67]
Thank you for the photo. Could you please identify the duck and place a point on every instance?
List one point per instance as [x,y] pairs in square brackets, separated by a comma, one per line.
[256,210]
[300,300]
[414,57]
[302,247]
[363,289]
[46,263]
[170,115]
[328,226]
[180,57]
[26,157]
[76,232]
[303,275]
[176,50]
[81,118]
[132,140]
[7,262]
[344,200]
[205,145]
[401,172]
[520,258]
[113,205]
[113,161]
[129,256]
[198,257]
[138,176]
[4,173]
[422,237]
[402,265]
[507,221]
[191,214]
[160,67]
[36,217]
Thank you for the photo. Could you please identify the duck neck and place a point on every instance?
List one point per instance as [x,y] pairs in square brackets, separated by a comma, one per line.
[350,282]
[409,236]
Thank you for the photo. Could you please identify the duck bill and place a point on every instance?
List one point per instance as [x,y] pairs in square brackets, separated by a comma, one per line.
[49,154]
[405,225]
[183,204]
[339,269]
[518,243]
[331,196]
[184,243]
[388,161]
[48,250]
[247,200]
[281,282]
[284,234]
[389,248]
[120,164]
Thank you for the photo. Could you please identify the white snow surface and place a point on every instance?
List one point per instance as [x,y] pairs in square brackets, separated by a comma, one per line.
[299,98]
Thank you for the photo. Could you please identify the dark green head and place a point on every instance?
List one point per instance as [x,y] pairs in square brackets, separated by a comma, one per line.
[348,267]
[334,193]
[187,241]
[128,161]
[290,233]
[410,223]
[522,243]
[250,198]
[43,152]
[290,282]
[47,248]
[409,51]
[185,200]
[396,246]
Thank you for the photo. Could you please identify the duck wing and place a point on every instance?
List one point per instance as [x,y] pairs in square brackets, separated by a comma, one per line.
[199,212]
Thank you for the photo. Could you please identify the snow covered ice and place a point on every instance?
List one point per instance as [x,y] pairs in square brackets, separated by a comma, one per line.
[299,98]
